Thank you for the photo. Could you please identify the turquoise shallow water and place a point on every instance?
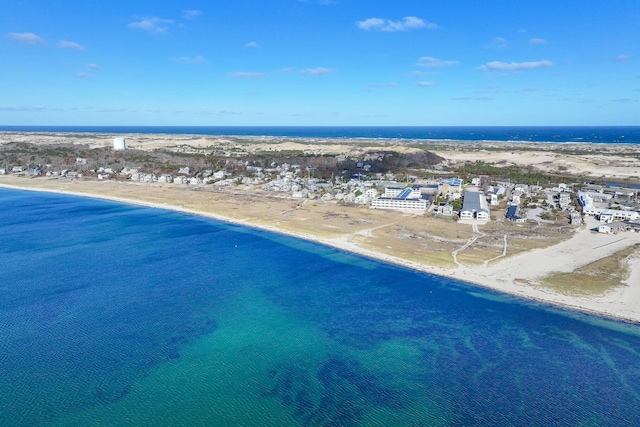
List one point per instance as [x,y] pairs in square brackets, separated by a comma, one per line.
[118,315]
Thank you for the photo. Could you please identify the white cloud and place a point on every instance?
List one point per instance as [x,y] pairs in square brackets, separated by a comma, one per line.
[498,43]
[70,45]
[320,71]
[622,58]
[152,24]
[83,75]
[407,23]
[22,109]
[111,110]
[430,62]
[198,59]
[253,45]
[190,14]
[27,38]
[537,40]
[515,66]
[246,75]
[424,84]
[93,66]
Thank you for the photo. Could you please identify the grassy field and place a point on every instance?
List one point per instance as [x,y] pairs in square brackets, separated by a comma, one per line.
[596,278]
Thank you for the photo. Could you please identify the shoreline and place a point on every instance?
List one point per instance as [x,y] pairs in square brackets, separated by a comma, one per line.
[621,305]
[131,133]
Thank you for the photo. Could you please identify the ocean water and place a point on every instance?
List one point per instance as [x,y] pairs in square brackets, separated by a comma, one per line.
[553,134]
[118,315]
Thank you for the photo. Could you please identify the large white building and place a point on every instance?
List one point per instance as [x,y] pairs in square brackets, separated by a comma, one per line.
[402,199]
[119,144]
[474,206]
[586,201]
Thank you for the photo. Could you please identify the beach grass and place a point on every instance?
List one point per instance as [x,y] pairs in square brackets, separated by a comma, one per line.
[596,278]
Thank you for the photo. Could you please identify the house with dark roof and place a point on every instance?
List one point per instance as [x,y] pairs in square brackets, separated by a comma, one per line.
[474,206]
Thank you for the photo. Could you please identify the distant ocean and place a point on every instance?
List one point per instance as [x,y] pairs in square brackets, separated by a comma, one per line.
[118,315]
[552,134]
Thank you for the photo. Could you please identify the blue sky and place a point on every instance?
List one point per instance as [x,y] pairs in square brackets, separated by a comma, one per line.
[320,62]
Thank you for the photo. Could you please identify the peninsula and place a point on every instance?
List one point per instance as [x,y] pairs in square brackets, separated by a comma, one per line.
[560,224]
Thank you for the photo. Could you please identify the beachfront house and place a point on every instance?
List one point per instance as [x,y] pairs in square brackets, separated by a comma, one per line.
[445,209]
[513,214]
[474,206]
[612,228]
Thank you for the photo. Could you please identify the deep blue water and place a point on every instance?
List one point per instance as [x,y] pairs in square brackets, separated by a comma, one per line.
[556,134]
[117,315]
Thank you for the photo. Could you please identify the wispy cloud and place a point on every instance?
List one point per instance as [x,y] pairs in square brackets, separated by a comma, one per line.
[27,38]
[406,23]
[152,24]
[246,75]
[93,66]
[430,62]
[537,40]
[491,89]
[624,100]
[515,66]
[320,71]
[83,75]
[424,84]
[111,110]
[498,43]
[253,45]
[190,13]
[24,109]
[622,58]
[198,59]
[218,113]
[65,44]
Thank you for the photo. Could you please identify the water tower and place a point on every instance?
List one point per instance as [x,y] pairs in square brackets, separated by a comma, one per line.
[118,144]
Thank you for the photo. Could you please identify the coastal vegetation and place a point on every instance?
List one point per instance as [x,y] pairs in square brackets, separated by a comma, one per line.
[520,174]
[596,278]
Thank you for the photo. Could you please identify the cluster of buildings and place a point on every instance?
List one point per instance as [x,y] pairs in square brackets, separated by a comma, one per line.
[615,208]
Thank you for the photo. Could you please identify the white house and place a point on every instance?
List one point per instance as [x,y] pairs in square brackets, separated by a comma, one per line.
[613,228]
[180,180]
[474,206]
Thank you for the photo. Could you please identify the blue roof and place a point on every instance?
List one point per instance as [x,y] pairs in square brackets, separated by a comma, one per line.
[405,193]
[512,212]
[454,181]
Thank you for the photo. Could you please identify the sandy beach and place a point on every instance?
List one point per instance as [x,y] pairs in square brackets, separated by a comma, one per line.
[516,275]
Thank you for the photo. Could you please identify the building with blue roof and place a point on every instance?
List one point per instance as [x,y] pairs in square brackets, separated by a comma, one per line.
[402,199]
